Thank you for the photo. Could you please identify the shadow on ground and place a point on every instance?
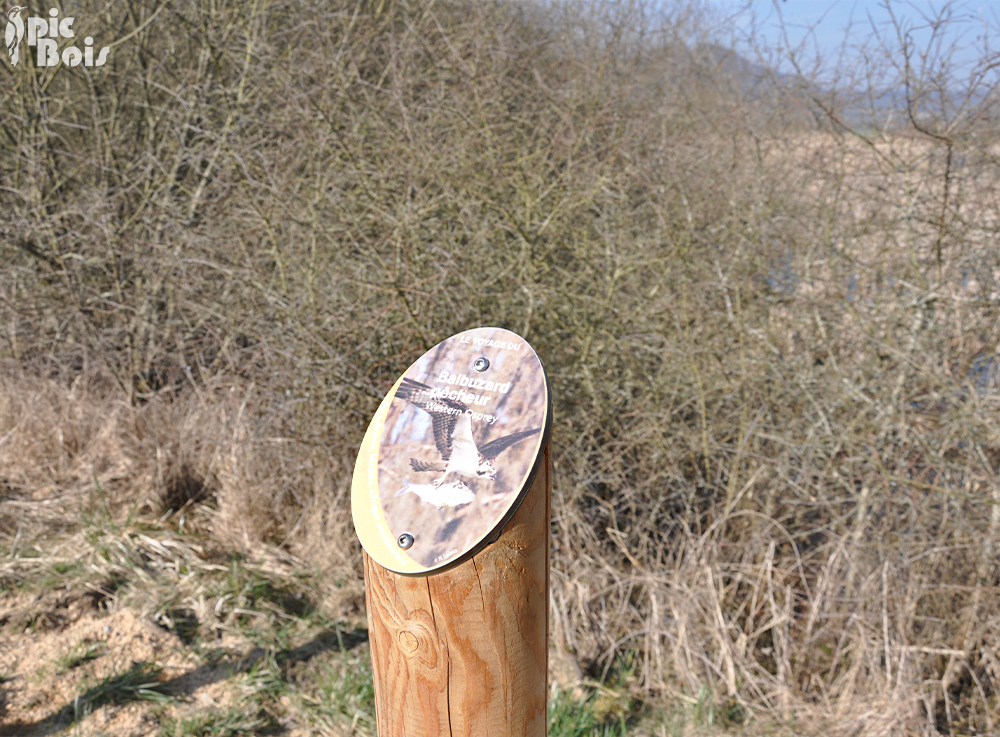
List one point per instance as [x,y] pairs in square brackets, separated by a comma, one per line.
[141,682]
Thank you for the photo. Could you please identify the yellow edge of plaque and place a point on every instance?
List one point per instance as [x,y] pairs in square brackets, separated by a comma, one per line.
[371,525]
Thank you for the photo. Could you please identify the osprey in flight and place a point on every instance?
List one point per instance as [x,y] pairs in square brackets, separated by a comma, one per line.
[461,456]
[14,33]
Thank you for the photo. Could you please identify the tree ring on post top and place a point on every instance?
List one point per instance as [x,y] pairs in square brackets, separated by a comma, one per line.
[451,452]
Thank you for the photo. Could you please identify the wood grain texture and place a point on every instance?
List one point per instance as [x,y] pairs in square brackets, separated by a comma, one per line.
[465,652]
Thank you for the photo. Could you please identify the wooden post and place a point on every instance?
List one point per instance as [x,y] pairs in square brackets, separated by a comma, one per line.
[465,652]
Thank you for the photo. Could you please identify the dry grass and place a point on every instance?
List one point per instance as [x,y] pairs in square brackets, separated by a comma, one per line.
[772,344]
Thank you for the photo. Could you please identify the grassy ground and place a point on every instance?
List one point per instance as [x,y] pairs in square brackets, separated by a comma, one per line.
[132,626]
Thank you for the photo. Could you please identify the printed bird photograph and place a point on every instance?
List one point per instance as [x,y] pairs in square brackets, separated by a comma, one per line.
[453,459]
[460,456]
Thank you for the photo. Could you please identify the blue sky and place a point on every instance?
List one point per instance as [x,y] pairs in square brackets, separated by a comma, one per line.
[972,31]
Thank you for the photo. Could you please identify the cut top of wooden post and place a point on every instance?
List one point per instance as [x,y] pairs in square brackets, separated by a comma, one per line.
[451,452]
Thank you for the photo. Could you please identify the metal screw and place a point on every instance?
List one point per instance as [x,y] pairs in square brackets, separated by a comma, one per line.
[481,364]
[405,540]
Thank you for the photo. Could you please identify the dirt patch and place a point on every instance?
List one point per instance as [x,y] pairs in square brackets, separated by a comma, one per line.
[115,672]
[79,672]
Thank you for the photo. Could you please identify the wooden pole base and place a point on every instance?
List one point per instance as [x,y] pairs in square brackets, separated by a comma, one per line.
[464,653]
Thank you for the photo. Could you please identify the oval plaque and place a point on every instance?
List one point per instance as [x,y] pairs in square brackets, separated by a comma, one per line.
[451,452]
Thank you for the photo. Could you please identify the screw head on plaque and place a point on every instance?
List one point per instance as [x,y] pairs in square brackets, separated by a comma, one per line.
[451,452]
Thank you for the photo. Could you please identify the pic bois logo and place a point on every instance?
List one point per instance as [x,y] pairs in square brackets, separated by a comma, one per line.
[46,35]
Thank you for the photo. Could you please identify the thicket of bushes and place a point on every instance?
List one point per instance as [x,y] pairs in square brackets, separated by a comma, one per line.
[772,340]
